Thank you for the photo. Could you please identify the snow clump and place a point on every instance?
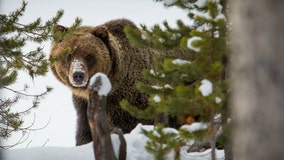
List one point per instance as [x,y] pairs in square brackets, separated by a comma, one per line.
[105,85]
[207,15]
[180,62]
[206,87]
[218,100]
[169,2]
[201,3]
[152,72]
[189,43]
[157,87]
[157,98]
[167,86]
[196,126]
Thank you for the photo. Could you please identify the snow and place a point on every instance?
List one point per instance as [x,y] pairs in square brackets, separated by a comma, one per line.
[167,86]
[170,130]
[218,118]
[162,40]
[220,15]
[206,87]
[135,140]
[77,66]
[157,98]
[152,72]
[50,153]
[218,100]
[201,3]
[195,127]
[207,15]
[169,2]
[143,36]
[180,62]
[105,86]
[191,40]
[175,36]
[216,34]
[157,87]
[201,155]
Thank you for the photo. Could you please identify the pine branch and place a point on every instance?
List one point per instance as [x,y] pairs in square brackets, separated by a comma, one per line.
[48,89]
[14,36]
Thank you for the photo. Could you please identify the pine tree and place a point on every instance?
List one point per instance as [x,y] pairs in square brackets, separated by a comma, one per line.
[190,90]
[13,37]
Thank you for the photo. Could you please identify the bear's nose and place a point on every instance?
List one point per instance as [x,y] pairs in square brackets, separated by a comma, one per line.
[78,77]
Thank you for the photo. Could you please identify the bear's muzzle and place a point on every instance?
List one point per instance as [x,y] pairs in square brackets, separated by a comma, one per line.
[77,74]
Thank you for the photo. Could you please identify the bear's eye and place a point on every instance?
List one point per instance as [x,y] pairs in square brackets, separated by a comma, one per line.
[89,56]
[69,57]
[89,59]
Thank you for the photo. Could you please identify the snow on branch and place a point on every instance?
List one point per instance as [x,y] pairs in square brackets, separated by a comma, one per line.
[100,83]
[206,88]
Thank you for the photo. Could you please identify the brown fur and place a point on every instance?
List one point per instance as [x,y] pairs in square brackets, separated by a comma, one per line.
[105,49]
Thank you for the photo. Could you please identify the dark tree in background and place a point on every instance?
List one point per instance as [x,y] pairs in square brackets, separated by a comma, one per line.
[258,79]
[14,36]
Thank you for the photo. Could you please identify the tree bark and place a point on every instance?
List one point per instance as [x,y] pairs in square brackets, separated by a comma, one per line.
[99,126]
[103,147]
[257,75]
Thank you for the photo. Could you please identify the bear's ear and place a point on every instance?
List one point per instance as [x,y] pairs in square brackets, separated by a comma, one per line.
[59,28]
[58,31]
[101,32]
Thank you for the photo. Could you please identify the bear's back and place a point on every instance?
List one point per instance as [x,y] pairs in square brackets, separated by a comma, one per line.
[116,27]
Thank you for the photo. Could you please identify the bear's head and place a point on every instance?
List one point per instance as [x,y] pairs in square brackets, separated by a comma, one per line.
[79,55]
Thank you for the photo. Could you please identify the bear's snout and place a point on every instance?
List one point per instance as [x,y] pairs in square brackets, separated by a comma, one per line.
[77,74]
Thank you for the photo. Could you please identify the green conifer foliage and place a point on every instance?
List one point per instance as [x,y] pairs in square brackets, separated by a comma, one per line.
[162,143]
[13,37]
[196,87]
[158,38]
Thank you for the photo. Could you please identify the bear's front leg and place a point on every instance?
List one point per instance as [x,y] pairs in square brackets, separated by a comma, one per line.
[83,133]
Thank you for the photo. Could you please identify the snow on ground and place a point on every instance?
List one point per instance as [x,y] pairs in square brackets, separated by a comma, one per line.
[135,149]
[194,127]
[169,2]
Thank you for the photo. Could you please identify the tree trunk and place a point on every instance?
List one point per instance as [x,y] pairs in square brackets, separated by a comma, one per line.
[257,74]
[103,147]
[99,126]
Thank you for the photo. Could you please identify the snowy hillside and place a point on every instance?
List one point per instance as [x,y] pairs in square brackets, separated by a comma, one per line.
[135,150]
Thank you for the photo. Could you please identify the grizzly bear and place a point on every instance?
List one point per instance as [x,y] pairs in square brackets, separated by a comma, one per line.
[104,49]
